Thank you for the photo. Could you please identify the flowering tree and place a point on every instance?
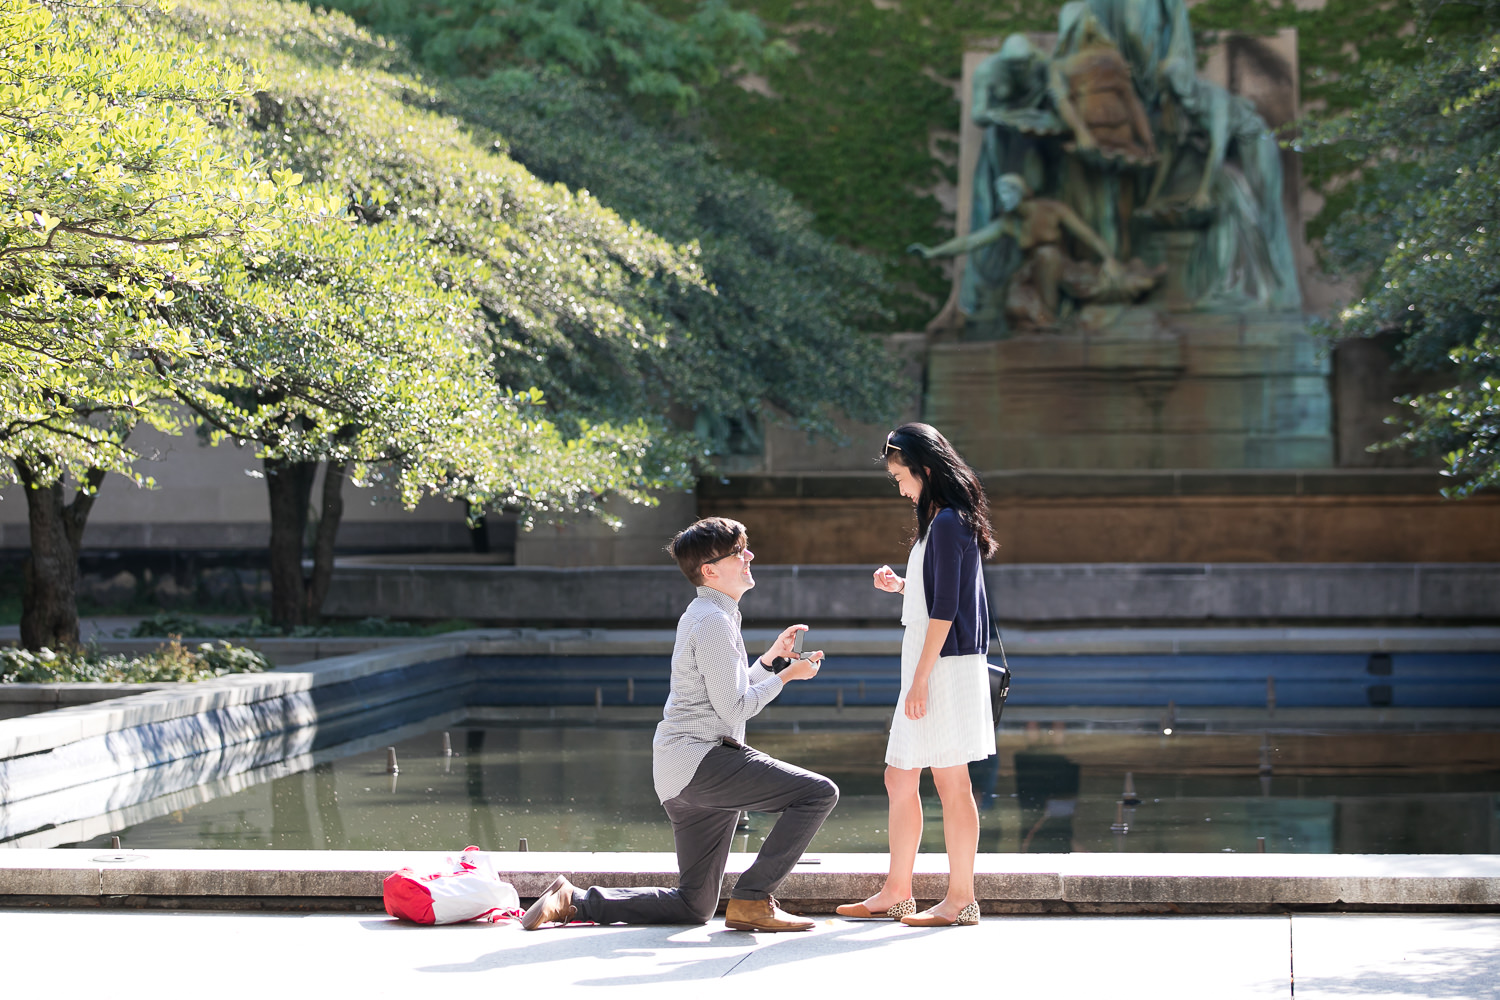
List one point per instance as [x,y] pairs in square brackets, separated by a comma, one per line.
[117,196]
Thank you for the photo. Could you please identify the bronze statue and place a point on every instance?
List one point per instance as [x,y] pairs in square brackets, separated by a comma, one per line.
[1123,150]
[1223,174]
[1094,95]
[1037,225]
[1011,89]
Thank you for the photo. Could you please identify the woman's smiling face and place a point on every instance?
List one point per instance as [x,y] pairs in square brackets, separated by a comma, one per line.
[907,483]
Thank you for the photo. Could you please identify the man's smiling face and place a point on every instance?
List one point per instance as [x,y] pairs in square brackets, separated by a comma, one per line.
[730,573]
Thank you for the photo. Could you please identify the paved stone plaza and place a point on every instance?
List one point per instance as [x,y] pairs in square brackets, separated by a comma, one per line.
[77,953]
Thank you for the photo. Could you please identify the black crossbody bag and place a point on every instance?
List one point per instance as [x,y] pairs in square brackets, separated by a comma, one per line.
[999,678]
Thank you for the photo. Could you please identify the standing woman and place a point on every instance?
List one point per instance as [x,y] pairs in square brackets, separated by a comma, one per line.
[942,720]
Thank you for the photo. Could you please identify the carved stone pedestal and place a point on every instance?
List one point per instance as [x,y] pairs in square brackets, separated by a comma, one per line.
[1138,388]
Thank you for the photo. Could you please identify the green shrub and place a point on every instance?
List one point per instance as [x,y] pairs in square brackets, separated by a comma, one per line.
[171,662]
[169,623]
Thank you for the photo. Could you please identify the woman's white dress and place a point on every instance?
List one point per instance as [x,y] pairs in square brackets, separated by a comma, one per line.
[958,727]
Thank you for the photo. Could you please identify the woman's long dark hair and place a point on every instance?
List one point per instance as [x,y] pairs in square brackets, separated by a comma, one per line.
[947,481]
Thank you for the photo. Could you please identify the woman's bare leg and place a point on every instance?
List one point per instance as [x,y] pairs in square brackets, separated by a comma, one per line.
[960,835]
[905,836]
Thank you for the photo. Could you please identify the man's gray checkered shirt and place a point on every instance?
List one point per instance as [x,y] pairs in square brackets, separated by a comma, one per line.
[714,690]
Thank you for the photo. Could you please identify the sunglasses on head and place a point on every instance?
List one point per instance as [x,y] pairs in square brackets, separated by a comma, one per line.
[888,445]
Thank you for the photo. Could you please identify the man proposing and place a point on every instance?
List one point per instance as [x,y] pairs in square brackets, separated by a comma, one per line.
[705,775]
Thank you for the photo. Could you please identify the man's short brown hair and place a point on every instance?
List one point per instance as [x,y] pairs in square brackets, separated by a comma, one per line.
[706,541]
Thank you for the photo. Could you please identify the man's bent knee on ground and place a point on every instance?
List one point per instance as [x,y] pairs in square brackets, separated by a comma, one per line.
[705,775]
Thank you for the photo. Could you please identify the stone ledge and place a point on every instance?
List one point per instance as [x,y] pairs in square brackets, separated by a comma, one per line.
[165,703]
[62,695]
[1121,883]
[1037,594]
[1254,889]
[1089,483]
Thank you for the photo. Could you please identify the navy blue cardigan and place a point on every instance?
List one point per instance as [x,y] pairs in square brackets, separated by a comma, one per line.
[953,583]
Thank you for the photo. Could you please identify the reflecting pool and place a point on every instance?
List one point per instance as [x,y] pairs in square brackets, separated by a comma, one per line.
[581,787]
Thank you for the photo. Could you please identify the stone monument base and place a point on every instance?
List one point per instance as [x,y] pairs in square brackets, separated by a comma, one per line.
[1134,387]
[1165,516]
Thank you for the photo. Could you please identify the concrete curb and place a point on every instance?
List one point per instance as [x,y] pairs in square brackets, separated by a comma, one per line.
[1090,883]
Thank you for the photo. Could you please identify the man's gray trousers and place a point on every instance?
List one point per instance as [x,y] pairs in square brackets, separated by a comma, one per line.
[732,779]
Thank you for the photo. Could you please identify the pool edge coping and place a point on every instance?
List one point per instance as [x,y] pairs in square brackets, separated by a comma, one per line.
[1072,883]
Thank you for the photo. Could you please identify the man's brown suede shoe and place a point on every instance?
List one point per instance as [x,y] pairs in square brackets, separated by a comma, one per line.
[555,906]
[762,915]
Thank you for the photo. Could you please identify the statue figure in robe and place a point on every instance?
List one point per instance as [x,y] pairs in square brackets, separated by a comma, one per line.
[1094,94]
[1114,126]
[1223,174]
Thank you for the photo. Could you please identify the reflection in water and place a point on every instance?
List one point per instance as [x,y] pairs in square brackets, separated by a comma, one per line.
[291,825]
[588,788]
[326,795]
[983,775]
[481,822]
[1047,792]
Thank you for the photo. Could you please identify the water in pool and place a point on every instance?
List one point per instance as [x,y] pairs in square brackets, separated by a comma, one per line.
[1050,789]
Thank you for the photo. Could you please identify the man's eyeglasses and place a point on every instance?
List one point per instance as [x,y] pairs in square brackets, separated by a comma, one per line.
[727,555]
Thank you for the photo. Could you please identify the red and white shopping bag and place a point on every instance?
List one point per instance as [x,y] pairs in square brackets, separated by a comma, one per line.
[466,889]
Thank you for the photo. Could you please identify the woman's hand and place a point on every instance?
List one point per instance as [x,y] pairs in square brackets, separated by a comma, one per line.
[932,647]
[916,699]
[783,644]
[887,580]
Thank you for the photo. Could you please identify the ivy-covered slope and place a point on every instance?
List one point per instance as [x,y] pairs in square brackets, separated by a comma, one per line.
[860,120]
[784,324]
[854,119]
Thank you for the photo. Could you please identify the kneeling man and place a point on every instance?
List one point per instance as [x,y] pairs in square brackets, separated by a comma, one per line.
[705,774]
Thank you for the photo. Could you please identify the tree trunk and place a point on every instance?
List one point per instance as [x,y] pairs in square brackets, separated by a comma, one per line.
[49,597]
[297,598]
[289,485]
[328,530]
[479,532]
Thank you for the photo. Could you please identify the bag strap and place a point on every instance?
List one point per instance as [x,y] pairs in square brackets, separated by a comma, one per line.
[995,630]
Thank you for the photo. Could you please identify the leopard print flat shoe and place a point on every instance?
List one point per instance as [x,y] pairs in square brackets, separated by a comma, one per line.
[904,908]
[967,917]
